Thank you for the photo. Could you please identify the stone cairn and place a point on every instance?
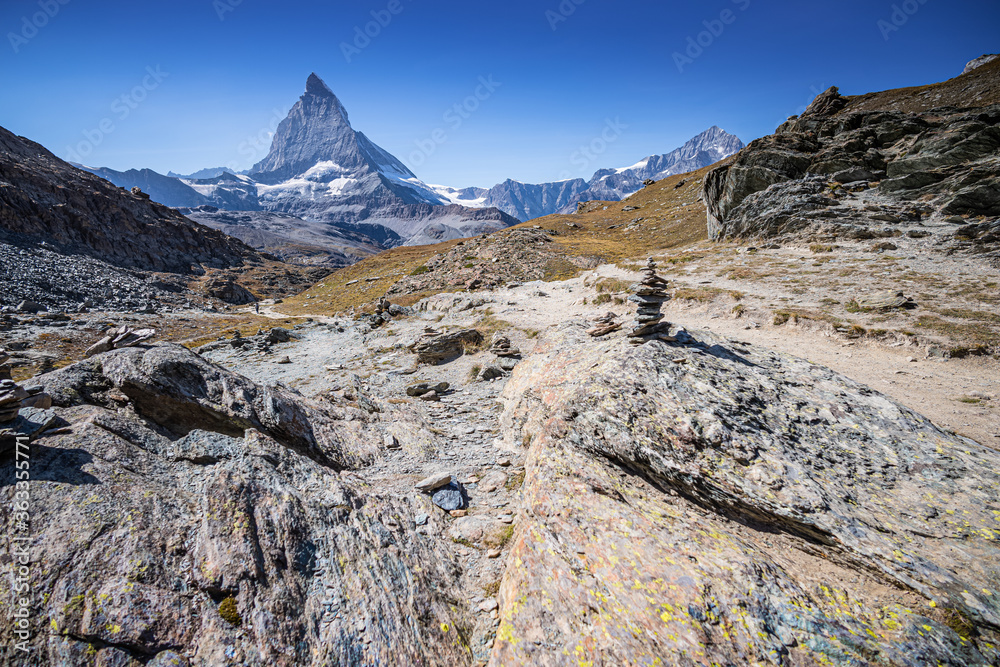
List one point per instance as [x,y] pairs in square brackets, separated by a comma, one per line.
[605,325]
[11,395]
[501,346]
[507,357]
[24,412]
[650,296]
[4,366]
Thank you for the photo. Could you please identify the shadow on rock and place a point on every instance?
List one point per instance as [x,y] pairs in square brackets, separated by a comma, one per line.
[51,464]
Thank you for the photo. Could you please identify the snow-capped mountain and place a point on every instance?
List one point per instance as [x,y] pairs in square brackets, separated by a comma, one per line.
[525,201]
[321,170]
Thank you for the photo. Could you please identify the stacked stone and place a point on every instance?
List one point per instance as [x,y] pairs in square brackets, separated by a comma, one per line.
[650,296]
[501,346]
[382,313]
[604,325]
[4,365]
[11,395]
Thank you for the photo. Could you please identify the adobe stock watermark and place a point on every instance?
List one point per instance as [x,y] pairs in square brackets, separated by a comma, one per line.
[122,107]
[454,117]
[562,13]
[899,17]
[20,548]
[363,35]
[259,144]
[30,25]
[223,7]
[697,44]
[587,154]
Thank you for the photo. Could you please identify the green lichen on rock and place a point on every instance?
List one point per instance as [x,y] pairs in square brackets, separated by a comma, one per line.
[229,612]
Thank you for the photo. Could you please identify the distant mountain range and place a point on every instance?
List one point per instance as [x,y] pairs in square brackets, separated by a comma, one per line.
[321,170]
[525,201]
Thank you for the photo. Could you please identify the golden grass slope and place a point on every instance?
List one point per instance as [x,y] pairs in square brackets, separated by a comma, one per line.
[665,216]
[978,88]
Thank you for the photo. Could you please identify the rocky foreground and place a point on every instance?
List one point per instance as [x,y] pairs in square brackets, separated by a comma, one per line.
[695,501]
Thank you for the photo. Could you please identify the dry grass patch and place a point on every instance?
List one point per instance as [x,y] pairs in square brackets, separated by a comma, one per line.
[705,294]
[612,285]
[499,538]
[364,282]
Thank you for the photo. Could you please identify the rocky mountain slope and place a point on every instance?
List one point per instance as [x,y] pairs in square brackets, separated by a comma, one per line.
[527,201]
[295,240]
[72,241]
[45,199]
[847,170]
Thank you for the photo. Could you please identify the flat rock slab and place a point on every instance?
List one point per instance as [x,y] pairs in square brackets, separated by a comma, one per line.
[435,481]
[29,423]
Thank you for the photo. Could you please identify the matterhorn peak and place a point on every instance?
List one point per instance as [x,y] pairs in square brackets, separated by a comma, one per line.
[316,86]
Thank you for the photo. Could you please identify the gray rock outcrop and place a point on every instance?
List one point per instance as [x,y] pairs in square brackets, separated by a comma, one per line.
[804,177]
[119,337]
[722,503]
[188,516]
[437,348]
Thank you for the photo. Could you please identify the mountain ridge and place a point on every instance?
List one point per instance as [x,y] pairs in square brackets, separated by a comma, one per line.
[527,201]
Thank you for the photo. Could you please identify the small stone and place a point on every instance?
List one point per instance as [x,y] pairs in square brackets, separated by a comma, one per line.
[503,462]
[279,335]
[449,497]
[284,360]
[434,482]
[458,514]
[493,553]
[488,605]
[421,519]
[28,306]
[493,481]
[490,373]
[38,401]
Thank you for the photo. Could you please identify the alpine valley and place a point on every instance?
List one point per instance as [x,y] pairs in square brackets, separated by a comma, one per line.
[732,405]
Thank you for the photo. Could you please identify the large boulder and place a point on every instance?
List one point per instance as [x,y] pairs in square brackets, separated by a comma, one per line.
[723,504]
[225,289]
[188,516]
[438,348]
[179,391]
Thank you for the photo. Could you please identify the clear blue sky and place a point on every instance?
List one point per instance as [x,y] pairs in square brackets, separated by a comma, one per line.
[223,81]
